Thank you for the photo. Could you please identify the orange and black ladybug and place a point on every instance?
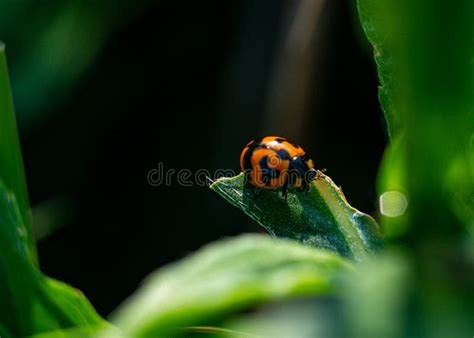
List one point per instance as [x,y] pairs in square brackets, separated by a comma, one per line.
[274,162]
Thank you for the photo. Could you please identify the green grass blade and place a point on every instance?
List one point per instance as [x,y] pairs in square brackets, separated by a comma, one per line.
[31,303]
[11,163]
[224,278]
[17,273]
[321,218]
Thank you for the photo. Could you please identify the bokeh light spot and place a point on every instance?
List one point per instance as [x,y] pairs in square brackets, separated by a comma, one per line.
[393,203]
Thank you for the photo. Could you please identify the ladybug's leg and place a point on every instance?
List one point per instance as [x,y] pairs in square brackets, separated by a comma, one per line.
[284,189]
[306,187]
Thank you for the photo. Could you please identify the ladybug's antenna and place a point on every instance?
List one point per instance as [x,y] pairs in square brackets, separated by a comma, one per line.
[210,180]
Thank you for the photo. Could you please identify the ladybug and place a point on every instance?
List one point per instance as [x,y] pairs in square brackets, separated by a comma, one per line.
[274,162]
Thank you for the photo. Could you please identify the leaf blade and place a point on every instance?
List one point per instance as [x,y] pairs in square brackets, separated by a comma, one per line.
[30,302]
[11,162]
[321,218]
[226,277]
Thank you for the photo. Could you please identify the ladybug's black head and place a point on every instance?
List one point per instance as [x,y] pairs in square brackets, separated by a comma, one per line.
[299,166]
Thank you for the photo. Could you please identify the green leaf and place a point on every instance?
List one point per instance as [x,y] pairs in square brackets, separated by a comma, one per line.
[374,302]
[69,333]
[424,50]
[64,305]
[17,272]
[321,218]
[367,9]
[226,277]
[11,163]
[31,303]
[429,84]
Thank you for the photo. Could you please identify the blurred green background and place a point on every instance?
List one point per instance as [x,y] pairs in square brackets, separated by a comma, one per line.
[106,90]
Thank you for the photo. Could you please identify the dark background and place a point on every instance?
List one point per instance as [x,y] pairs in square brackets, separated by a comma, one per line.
[184,83]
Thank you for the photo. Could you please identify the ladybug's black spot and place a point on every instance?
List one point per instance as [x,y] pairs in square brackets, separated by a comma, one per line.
[248,155]
[280,139]
[283,154]
[299,166]
[266,170]
[267,173]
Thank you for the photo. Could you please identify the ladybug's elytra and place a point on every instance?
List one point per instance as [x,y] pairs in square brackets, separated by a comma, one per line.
[274,162]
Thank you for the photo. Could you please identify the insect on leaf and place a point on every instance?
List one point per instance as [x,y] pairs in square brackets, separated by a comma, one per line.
[321,218]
